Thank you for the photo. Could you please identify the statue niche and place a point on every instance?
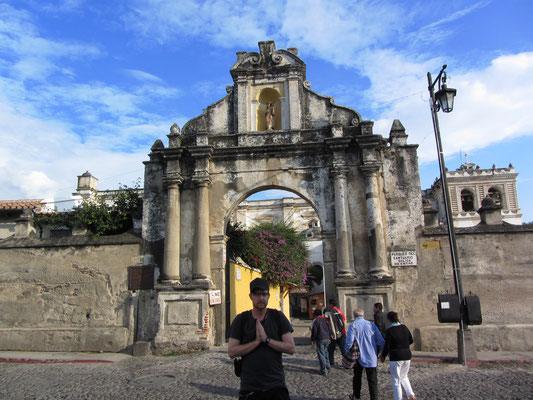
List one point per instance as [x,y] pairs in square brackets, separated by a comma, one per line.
[268,111]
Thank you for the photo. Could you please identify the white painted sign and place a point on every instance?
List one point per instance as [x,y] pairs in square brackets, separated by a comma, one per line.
[403,258]
[445,305]
[214,297]
[238,273]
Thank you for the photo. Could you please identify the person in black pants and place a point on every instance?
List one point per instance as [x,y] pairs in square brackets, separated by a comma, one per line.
[398,338]
[370,343]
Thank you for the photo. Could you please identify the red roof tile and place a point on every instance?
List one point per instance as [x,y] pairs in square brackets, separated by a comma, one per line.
[20,204]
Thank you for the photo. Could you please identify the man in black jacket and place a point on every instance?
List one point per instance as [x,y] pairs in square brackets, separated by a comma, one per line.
[379,318]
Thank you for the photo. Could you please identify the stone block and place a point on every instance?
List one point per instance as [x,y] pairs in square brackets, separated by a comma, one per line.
[142,349]
[486,337]
[183,312]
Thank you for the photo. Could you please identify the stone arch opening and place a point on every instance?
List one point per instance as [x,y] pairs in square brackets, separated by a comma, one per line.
[496,194]
[467,200]
[254,207]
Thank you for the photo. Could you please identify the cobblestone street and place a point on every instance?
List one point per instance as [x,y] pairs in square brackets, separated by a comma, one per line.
[209,375]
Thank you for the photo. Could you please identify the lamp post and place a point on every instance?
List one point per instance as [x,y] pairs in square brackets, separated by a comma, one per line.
[443,100]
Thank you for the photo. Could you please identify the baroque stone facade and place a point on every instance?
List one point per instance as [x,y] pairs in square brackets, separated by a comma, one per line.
[364,188]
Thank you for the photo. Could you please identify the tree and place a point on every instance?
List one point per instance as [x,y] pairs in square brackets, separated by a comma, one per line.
[96,215]
[276,249]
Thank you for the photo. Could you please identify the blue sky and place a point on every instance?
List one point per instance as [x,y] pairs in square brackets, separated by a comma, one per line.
[90,85]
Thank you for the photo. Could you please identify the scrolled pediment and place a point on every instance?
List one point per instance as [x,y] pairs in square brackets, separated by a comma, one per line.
[268,60]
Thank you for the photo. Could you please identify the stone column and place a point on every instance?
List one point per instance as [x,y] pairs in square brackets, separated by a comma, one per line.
[345,264]
[202,152]
[171,261]
[202,254]
[378,264]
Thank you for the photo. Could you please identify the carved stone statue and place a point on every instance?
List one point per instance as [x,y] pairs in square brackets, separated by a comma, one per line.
[269,116]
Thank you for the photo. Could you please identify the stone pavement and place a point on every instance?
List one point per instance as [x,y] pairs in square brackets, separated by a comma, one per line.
[209,375]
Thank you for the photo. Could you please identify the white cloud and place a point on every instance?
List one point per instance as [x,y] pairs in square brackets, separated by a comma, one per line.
[36,183]
[492,104]
[143,76]
[63,6]
[108,127]
[42,158]
[29,56]
[54,129]
[436,31]
[337,31]
[331,29]
[222,22]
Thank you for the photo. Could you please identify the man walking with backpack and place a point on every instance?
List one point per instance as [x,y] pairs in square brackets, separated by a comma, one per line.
[335,315]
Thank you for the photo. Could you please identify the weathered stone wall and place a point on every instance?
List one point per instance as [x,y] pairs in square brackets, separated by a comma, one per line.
[67,294]
[402,193]
[496,264]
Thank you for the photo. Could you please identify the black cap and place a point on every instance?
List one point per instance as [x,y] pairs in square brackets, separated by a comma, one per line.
[258,283]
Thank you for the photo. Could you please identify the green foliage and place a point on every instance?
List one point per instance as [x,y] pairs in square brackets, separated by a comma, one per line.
[277,250]
[56,219]
[97,216]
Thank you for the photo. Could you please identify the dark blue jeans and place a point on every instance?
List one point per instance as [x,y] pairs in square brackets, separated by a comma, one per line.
[341,342]
[322,353]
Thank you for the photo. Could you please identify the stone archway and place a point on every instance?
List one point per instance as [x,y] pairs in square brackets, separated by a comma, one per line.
[320,150]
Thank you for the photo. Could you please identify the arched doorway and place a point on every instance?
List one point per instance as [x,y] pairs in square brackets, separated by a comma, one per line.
[272,207]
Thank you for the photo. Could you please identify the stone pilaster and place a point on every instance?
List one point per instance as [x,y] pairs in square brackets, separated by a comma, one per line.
[294,101]
[345,263]
[241,112]
[378,253]
[218,250]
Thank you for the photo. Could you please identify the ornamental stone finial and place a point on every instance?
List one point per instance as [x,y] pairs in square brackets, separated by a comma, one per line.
[397,135]
[266,48]
[174,129]
[489,203]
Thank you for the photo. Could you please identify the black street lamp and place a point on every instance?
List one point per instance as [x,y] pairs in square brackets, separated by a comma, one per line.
[443,100]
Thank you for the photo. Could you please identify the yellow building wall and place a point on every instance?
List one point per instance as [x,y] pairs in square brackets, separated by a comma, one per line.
[240,278]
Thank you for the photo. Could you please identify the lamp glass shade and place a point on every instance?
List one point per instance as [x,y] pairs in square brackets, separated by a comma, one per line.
[445,98]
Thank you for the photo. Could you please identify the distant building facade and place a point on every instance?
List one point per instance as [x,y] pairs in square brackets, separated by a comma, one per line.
[15,215]
[468,186]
